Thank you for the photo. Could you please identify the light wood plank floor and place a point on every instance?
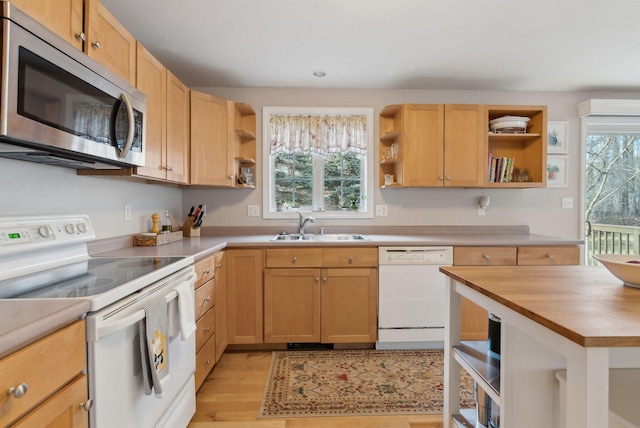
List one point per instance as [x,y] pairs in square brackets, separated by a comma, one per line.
[231,397]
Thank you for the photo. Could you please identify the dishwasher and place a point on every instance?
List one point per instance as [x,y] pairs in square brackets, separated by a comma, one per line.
[411,306]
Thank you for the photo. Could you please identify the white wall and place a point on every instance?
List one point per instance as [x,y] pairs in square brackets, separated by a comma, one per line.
[538,208]
[29,189]
[32,189]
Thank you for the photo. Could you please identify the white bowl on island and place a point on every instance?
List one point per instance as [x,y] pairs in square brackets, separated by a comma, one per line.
[625,267]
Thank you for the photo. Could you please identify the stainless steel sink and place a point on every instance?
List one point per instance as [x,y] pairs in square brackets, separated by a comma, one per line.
[326,237]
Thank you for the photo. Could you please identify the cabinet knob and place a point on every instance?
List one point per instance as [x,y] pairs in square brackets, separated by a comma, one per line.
[317,278]
[207,329]
[324,278]
[350,259]
[86,405]
[550,256]
[207,299]
[80,36]
[441,178]
[293,259]
[486,256]
[218,266]
[208,362]
[448,178]
[96,45]
[168,168]
[18,391]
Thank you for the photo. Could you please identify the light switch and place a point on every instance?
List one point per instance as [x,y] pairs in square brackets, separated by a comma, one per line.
[253,210]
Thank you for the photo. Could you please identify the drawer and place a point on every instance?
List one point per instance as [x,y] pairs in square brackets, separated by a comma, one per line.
[205,360]
[205,270]
[484,256]
[552,256]
[45,366]
[294,257]
[204,298]
[349,257]
[205,327]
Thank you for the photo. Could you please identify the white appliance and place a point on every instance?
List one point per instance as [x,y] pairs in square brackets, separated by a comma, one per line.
[46,258]
[411,306]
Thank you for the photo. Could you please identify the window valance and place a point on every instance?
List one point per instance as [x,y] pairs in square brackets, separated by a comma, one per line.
[322,134]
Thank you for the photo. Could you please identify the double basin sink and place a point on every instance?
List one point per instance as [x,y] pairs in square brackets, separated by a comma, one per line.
[325,237]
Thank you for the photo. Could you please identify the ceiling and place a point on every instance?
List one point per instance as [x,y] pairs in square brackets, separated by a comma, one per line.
[544,45]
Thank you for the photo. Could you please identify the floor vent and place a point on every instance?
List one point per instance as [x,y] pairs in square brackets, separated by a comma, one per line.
[309,346]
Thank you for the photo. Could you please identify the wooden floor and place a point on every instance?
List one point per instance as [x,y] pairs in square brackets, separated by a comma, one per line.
[231,397]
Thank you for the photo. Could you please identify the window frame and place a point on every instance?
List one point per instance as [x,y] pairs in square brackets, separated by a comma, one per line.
[269,207]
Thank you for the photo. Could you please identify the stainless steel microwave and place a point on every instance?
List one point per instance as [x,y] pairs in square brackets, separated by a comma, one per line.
[60,107]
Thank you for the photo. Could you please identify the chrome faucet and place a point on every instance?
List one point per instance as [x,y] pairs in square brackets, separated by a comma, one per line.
[303,222]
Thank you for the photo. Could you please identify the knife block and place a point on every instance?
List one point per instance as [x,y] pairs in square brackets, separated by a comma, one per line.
[188,229]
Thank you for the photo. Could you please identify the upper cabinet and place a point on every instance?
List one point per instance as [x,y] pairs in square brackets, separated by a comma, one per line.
[167,131]
[211,154]
[108,42]
[92,29]
[223,142]
[63,17]
[423,145]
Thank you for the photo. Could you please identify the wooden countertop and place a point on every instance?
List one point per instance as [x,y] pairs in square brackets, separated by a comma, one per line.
[587,305]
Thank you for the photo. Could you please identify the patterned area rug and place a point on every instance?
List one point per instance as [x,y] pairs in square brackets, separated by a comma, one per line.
[362,382]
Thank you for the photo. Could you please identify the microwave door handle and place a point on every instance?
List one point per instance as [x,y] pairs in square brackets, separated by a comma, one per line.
[122,153]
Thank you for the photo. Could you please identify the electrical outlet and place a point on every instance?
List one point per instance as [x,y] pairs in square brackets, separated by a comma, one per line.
[567,203]
[482,211]
[127,212]
[253,210]
[381,210]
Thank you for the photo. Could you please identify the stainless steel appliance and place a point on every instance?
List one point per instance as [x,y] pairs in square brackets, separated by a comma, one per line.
[60,107]
[412,297]
[46,258]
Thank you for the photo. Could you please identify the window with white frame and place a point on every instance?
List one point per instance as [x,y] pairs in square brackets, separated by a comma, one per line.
[319,160]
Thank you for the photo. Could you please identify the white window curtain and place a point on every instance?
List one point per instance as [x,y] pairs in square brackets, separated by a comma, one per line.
[322,134]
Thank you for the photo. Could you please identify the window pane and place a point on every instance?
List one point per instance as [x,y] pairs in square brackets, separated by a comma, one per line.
[342,180]
[293,179]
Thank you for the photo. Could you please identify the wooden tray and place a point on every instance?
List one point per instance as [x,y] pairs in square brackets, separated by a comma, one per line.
[159,239]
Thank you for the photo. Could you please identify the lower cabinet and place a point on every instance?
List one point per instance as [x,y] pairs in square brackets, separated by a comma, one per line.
[306,301]
[48,382]
[210,304]
[244,280]
[474,322]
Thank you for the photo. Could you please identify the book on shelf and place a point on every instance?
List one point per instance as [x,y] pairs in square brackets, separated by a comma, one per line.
[500,169]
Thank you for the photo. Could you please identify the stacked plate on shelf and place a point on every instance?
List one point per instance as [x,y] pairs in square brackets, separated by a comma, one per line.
[509,124]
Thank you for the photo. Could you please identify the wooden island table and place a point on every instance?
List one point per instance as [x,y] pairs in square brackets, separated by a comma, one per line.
[578,319]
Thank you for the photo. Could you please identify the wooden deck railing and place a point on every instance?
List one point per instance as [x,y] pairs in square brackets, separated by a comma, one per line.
[611,239]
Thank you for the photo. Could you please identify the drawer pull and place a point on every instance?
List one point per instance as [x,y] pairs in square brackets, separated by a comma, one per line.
[218,266]
[293,259]
[19,391]
[208,362]
[207,329]
[207,299]
[87,405]
[206,272]
[486,256]
[550,256]
[350,259]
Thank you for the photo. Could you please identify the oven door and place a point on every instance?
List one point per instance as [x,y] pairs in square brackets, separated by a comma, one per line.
[56,99]
[115,377]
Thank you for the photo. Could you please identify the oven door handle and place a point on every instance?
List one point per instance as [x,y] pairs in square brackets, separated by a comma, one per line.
[116,325]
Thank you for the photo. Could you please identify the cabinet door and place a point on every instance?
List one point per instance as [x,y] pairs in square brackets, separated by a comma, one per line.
[422,142]
[210,150]
[349,305]
[244,282]
[177,147]
[464,145]
[291,305]
[151,79]
[108,42]
[221,303]
[63,17]
[64,409]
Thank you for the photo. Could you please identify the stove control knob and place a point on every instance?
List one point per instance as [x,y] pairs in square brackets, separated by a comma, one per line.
[82,227]
[70,228]
[44,231]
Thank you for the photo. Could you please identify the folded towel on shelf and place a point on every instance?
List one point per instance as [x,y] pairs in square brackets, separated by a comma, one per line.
[186,310]
[154,347]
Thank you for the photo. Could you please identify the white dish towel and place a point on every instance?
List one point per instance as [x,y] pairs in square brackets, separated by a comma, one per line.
[154,347]
[186,310]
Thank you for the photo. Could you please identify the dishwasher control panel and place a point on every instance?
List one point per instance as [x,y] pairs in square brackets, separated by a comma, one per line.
[436,255]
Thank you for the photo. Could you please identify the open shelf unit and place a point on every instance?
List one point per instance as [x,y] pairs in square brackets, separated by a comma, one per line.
[528,150]
[391,127]
[244,141]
